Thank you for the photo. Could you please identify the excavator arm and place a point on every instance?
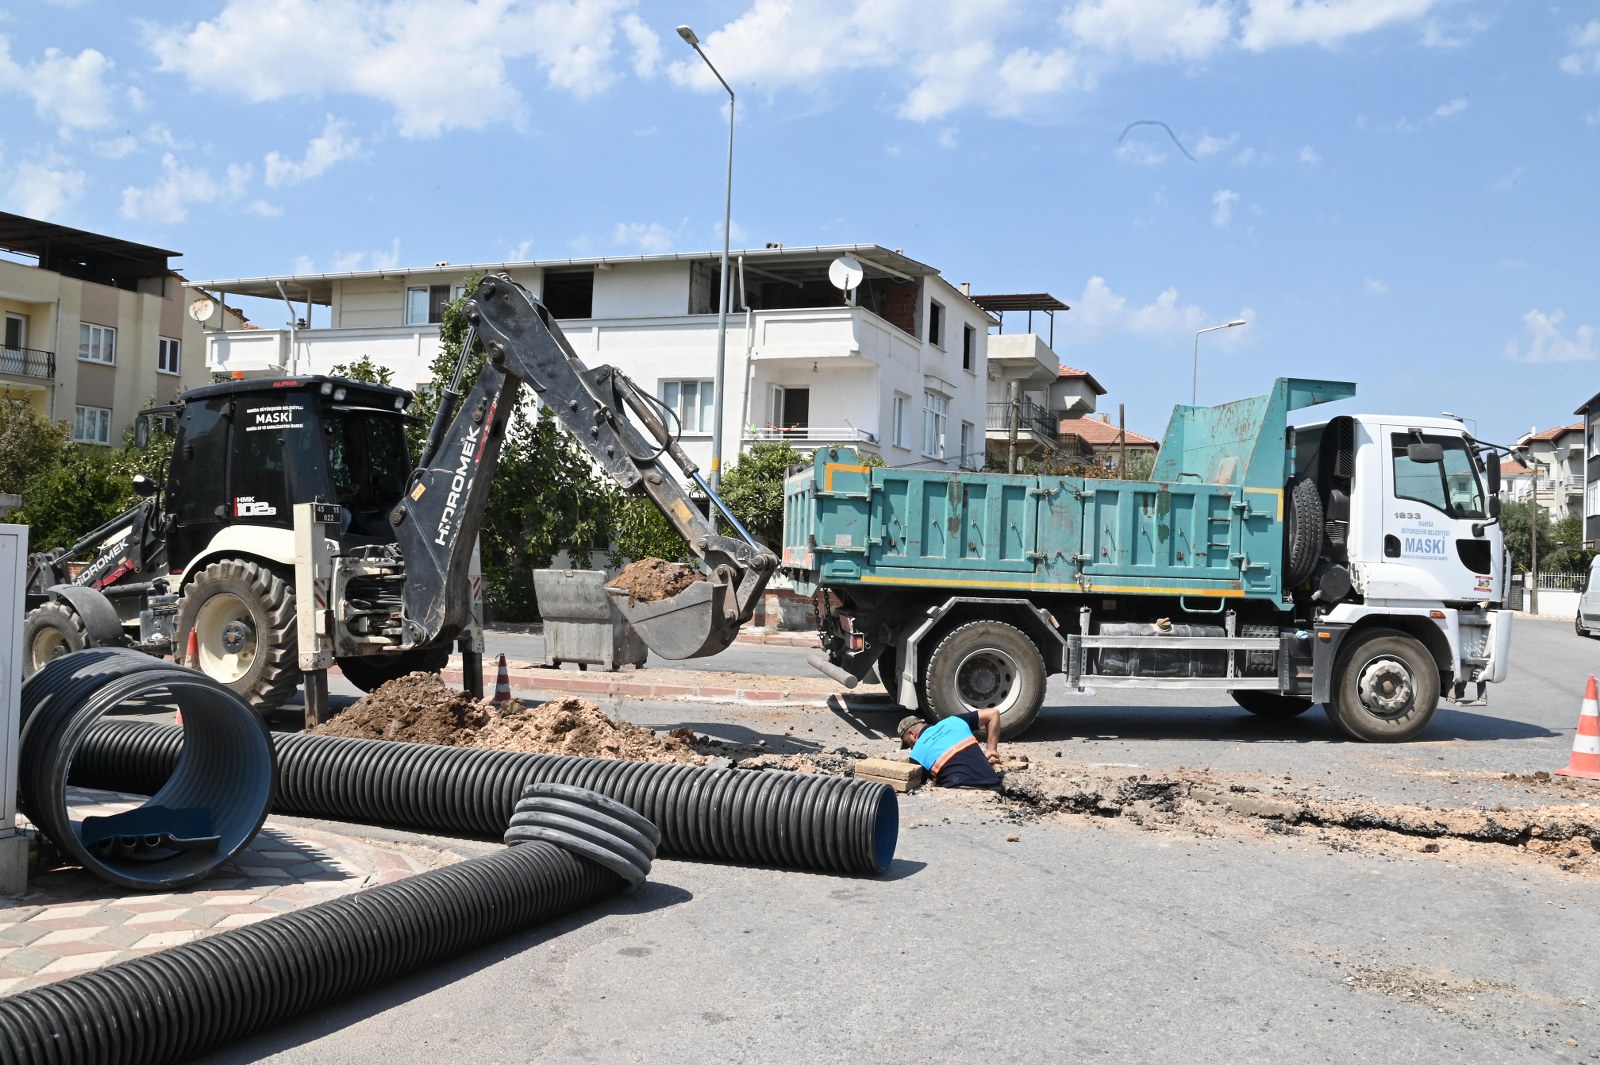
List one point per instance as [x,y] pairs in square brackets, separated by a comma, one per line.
[437,521]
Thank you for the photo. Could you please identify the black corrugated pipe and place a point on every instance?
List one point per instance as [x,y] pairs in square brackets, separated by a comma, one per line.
[207,807]
[799,820]
[176,1003]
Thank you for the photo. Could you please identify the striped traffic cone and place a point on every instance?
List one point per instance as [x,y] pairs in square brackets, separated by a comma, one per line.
[502,683]
[1585,761]
[191,658]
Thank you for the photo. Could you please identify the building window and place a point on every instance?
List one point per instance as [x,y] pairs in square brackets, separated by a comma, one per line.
[569,293]
[969,344]
[1594,435]
[91,425]
[900,438]
[167,355]
[691,402]
[425,304]
[968,460]
[936,323]
[935,416]
[97,343]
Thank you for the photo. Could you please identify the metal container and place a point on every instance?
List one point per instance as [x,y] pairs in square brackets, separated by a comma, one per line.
[580,624]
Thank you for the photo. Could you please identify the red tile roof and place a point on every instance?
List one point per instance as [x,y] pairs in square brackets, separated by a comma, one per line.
[1068,371]
[1513,468]
[1558,432]
[1102,433]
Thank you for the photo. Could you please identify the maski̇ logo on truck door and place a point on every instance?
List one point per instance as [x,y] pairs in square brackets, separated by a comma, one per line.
[460,482]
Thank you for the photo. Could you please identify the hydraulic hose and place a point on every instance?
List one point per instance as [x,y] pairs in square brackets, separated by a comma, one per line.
[176,1003]
[794,820]
[207,806]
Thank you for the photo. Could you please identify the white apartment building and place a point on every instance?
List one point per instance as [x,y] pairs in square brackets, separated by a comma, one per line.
[95,327]
[896,368]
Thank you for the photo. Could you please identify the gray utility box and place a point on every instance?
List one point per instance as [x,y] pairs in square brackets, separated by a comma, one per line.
[580,625]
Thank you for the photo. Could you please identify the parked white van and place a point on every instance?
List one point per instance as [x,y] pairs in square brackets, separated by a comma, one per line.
[1588,619]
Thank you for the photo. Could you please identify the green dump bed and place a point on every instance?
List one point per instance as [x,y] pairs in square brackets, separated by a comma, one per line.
[1209,523]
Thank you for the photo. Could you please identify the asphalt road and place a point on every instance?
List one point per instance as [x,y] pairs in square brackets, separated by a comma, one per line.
[1085,939]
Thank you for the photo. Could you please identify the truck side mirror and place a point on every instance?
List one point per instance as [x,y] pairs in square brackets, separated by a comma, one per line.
[1417,451]
[141,432]
[1494,472]
[144,485]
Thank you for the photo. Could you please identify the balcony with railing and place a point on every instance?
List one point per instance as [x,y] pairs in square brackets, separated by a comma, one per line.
[809,436]
[28,362]
[1034,423]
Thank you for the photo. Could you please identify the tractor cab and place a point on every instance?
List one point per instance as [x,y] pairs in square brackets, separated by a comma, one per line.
[247,451]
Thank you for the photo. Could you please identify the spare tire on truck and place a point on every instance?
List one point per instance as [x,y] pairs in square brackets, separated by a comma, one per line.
[1302,531]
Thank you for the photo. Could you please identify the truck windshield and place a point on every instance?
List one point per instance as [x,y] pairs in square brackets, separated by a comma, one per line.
[1451,485]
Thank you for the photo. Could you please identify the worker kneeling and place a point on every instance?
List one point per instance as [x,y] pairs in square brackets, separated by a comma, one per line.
[948,748]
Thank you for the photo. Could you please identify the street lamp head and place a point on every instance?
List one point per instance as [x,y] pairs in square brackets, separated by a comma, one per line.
[1237,321]
[688,35]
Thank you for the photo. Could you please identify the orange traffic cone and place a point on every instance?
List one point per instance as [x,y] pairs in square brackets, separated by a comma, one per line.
[1585,761]
[191,658]
[502,683]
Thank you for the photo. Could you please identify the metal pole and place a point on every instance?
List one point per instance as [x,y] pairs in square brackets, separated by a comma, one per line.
[1194,373]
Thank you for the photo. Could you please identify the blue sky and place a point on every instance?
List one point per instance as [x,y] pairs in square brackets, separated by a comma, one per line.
[1396,192]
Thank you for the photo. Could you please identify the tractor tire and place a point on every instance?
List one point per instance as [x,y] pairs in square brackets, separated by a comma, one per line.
[1271,704]
[1385,688]
[48,632]
[1577,624]
[243,616]
[1302,532]
[373,671]
[985,664]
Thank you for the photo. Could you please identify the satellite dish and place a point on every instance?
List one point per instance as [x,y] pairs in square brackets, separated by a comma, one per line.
[202,308]
[845,273]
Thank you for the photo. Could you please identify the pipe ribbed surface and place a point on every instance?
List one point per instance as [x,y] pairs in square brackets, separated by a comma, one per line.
[176,1003]
[796,820]
[221,763]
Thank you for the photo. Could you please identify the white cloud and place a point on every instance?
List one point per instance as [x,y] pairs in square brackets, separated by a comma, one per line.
[181,187]
[1245,157]
[1592,118]
[324,150]
[1222,202]
[1509,181]
[1374,287]
[648,237]
[1308,155]
[70,91]
[1436,33]
[1450,107]
[1279,23]
[1585,56]
[1151,29]
[1209,145]
[646,45]
[1546,343]
[949,138]
[44,188]
[1100,310]
[265,208]
[351,261]
[116,147]
[1141,152]
[439,66]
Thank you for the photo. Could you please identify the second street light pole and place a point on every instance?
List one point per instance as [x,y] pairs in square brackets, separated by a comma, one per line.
[725,283]
[1194,379]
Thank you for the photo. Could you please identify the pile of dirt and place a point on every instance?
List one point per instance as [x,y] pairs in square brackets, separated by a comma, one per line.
[419,709]
[650,580]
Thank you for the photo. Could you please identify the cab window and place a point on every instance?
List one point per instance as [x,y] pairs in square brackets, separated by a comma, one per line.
[1451,485]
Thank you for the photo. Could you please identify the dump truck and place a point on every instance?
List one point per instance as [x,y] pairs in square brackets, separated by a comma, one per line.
[1355,562]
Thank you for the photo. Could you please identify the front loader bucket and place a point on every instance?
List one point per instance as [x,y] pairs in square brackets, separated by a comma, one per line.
[698,621]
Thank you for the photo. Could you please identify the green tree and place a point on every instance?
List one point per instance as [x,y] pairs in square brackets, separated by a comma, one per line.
[83,488]
[29,442]
[1519,519]
[753,488]
[1565,547]
[364,369]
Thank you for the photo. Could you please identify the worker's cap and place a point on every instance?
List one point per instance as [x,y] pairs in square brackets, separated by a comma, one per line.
[906,725]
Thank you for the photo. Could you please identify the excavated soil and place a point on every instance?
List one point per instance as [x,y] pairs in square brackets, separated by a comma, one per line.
[651,580]
[419,709]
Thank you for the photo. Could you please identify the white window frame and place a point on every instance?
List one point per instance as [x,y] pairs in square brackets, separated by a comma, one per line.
[898,420]
[97,343]
[966,459]
[936,324]
[169,351]
[425,316]
[693,420]
[91,425]
[935,424]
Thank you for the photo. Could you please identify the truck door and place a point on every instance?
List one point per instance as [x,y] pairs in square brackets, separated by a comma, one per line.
[1433,499]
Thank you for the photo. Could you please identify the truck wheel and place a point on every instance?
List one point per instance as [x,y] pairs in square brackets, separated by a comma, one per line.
[1385,689]
[985,664]
[243,617]
[1302,521]
[1577,623]
[1271,704]
[374,671]
[48,632]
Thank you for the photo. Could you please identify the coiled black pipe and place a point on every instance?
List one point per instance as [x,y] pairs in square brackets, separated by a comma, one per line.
[795,820]
[176,1003]
[225,767]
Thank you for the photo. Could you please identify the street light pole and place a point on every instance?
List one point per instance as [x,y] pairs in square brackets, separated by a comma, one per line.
[1194,379]
[726,282]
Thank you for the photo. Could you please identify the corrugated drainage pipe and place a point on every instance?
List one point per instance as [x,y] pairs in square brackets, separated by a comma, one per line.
[176,1003]
[206,807]
[768,817]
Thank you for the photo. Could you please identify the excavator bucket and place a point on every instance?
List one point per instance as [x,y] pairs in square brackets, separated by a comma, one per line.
[698,621]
